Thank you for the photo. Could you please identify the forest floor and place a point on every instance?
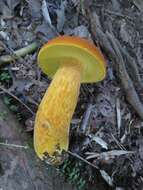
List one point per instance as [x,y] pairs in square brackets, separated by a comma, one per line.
[109,154]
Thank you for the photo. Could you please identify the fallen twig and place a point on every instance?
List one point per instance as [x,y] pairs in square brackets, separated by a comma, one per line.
[16,98]
[113,48]
[18,53]
[118,14]
[131,66]
[82,159]
[127,83]
[138,4]
[13,145]
[100,172]
[107,155]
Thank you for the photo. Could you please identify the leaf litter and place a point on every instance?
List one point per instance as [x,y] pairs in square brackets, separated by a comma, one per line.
[113,132]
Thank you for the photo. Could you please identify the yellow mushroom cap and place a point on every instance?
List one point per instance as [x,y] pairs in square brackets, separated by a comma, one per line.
[65,48]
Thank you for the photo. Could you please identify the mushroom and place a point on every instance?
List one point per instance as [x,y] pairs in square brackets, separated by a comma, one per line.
[70,61]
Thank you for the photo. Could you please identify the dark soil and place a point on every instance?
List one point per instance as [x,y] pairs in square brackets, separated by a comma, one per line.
[107,127]
[19,166]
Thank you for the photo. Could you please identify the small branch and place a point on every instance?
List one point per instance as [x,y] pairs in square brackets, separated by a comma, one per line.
[131,66]
[13,145]
[118,14]
[18,53]
[127,83]
[16,98]
[98,170]
[82,159]
[113,48]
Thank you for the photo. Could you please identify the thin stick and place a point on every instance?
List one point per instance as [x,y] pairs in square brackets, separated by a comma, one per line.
[82,159]
[13,145]
[118,143]
[113,48]
[15,97]
[19,53]
[87,162]
[127,83]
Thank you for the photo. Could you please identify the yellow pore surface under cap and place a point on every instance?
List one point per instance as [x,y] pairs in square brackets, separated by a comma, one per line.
[65,48]
[51,133]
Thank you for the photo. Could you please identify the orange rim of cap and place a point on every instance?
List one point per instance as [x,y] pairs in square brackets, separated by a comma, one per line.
[65,48]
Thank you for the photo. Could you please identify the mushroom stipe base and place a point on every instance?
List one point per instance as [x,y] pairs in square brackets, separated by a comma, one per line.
[55,113]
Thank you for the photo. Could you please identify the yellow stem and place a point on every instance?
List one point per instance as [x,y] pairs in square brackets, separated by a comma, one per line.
[51,135]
